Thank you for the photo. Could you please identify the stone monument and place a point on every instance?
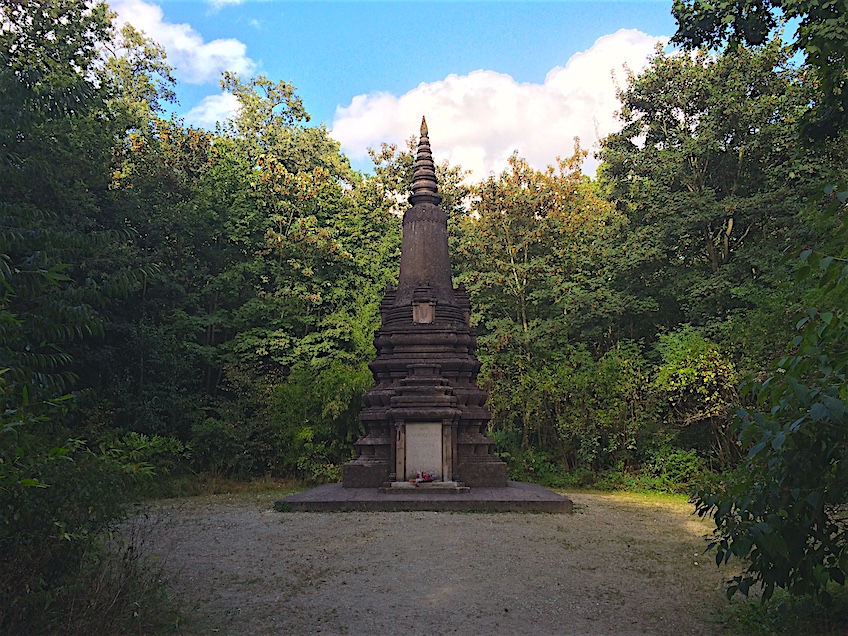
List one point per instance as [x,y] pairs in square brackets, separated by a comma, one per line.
[425,412]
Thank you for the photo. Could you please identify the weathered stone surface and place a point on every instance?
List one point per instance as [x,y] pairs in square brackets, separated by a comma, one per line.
[514,497]
[449,487]
[425,371]
[424,448]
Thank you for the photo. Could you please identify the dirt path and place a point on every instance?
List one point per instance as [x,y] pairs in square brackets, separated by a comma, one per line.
[621,564]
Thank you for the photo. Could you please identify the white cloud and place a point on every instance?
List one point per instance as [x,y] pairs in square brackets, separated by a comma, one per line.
[217,4]
[213,109]
[194,61]
[478,120]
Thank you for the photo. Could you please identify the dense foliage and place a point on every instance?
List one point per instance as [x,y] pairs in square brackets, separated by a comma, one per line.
[784,508]
[819,31]
[180,299]
[62,266]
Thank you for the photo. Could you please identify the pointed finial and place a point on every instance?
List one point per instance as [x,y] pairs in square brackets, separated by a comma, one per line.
[424,185]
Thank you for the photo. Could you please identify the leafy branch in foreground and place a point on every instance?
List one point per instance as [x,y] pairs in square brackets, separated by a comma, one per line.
[784,508]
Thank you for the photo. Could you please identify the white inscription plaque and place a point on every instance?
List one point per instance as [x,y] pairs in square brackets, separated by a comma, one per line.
[423,449]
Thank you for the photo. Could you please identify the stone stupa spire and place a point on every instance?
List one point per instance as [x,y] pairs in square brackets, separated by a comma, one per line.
[424,259]
[424,185]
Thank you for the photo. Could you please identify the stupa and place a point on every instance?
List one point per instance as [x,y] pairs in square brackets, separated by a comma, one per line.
[425,414]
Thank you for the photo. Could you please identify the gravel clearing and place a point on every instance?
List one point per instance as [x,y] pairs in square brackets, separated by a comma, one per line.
[620,564]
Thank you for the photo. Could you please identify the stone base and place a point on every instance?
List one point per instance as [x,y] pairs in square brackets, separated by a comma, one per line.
[425,487]
[365,474]
[516,497]
[483,474]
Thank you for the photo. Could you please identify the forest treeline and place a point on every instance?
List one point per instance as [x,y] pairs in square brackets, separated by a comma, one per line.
[182,299]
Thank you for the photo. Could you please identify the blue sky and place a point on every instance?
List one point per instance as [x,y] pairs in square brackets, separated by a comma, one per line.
[492,77]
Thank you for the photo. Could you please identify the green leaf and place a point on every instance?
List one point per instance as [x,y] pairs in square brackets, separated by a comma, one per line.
[818,411]
[835,407]
[756,449]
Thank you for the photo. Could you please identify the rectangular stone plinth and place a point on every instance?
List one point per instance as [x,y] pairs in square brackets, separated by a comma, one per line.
[483,474]
[515,497]
[360,474]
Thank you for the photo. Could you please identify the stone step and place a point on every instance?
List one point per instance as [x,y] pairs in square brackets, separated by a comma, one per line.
[425,487]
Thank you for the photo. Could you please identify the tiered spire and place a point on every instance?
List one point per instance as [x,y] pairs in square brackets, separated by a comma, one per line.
[424,184]
[424,258]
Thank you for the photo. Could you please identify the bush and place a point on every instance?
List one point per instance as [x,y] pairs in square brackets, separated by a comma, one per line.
[576,412]
[304,426]
[638,481]
[679,468]
[784,614]
[107,586]
[695,383]
[58,505]
[62,501]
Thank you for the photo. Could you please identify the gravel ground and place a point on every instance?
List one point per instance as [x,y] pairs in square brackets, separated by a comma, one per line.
[620,564]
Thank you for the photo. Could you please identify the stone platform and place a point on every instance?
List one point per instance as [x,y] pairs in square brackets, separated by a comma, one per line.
[516,497]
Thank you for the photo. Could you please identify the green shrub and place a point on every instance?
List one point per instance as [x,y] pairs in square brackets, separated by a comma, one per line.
[575,412]
[784,614]
[695,383]
[58,504]
[680,468]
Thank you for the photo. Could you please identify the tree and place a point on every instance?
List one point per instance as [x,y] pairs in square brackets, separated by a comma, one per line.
[159,359]
[271,121]
[706,169]
[535,255]
[821,34]
[138,78]
[61,266]
[62,247]
[779,510]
